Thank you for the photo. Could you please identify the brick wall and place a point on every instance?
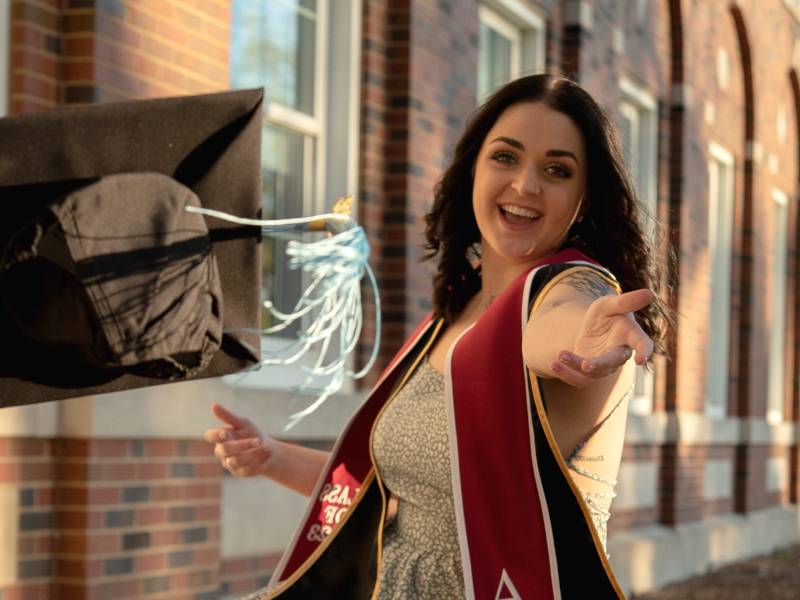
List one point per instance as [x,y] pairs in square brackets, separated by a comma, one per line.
[26,471]
[241,575]
[35,51]
[114,518]
[81,51]
[137,517]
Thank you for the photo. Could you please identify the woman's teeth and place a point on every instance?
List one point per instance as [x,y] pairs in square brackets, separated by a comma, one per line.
[519,211]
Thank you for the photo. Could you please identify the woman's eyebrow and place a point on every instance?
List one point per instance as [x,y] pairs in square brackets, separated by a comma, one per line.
[510,141]
[559,153]
[520,146]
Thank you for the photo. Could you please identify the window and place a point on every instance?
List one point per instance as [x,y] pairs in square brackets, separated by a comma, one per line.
[777,338]
[289,47]
[639,131]
[720,225]
[511,43]
[5,43]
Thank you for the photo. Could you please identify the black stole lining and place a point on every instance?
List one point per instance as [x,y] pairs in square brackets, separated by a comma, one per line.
[580,567]
[348,566]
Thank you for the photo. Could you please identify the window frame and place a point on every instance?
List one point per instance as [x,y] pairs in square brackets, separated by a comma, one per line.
[720,263]
[5,56]
[642,105]
[527,28]
[776,381]
[338,95]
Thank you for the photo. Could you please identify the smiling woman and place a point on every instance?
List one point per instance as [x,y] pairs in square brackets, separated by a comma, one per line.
[483,464]
[528,184]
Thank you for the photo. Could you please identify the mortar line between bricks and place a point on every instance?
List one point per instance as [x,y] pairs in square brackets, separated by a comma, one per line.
[36,75]
[148,55]
[17,96]
[214,21]
[128,529]
[165,40]
[132,94]
[145,481]
[35,26]
[102,579]
[56,58]
[137,553]
[44,6]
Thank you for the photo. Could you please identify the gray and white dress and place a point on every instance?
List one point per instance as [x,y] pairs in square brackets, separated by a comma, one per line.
[420,552]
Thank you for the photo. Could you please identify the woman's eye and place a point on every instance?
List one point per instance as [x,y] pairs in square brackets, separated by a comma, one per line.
[558,171]
[504,157]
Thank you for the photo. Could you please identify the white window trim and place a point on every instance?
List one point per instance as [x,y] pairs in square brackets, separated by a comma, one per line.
[506,29]
[639,101]
[646,103]
[719,345]
[337,94]
[5,54]
[777,349]
[529,28]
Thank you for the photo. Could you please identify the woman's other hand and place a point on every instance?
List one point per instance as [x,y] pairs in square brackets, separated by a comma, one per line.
[608,335]
[239,445]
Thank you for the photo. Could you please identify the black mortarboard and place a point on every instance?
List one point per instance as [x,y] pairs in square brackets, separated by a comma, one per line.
[106,282]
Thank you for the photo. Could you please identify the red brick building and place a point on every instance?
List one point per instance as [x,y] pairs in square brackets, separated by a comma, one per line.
[117,498]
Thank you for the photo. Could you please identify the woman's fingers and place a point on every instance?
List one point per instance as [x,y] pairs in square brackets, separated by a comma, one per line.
[218,434]
[579,371]
[236,427]
[569,375]
[239,446]
[629,302]
[226,416]
[243,457]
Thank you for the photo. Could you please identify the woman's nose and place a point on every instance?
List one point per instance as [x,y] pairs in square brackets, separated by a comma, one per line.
[526,183]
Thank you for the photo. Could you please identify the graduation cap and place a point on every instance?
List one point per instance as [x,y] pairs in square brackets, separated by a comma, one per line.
[107,282]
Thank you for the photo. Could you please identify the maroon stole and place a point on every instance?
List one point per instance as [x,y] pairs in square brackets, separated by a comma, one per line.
[524,530]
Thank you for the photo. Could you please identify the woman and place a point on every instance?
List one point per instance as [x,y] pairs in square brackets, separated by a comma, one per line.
[483,463]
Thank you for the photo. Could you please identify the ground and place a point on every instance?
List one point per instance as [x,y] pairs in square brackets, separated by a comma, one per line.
[775,576]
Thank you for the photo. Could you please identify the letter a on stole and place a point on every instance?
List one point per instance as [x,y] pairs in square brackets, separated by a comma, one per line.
[506,589]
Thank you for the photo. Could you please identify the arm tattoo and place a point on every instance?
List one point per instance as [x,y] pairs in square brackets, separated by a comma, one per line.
[589,284]
[582,457]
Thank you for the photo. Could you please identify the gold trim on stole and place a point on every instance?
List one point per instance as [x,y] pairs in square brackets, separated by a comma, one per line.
[384,501]
[538,402]
[371,474]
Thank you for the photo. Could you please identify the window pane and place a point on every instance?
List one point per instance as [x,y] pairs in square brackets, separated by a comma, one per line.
[273,45]
[720,225]
[777,354]
[494,60]
[284,156]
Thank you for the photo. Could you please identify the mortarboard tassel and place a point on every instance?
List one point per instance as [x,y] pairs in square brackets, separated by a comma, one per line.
[332,299]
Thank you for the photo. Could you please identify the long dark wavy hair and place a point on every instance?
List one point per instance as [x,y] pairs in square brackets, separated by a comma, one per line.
[610,231]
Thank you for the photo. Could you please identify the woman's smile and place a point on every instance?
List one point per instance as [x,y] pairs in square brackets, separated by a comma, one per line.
[519,218]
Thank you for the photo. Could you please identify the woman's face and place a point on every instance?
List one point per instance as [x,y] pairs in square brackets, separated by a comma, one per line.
[529,184]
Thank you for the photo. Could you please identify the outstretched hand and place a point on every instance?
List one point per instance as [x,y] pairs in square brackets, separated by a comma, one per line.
[239,445]
[607,337]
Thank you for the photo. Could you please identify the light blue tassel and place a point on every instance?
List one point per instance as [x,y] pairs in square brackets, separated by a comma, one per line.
[331,302]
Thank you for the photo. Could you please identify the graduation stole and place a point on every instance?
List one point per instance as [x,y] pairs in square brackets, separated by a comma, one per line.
[524,530]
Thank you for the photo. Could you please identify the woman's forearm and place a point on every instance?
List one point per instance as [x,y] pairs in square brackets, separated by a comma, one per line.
[295,466]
